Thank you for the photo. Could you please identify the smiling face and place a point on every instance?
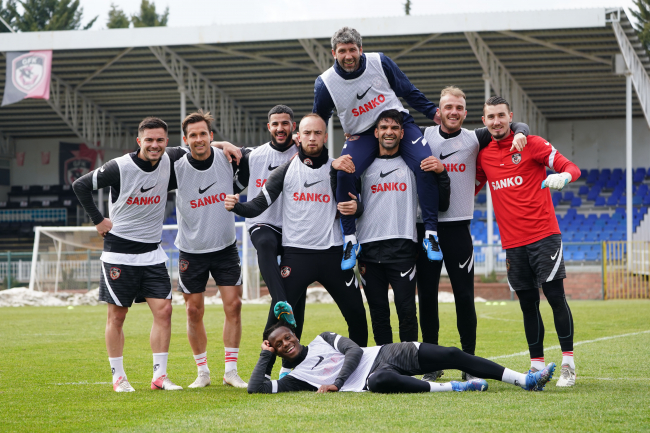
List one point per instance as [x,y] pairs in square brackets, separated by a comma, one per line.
[285,343]
[389,133]
[497,118]
[198,136]
[348,56]
[280,126]
[153,143]
[452,113]
[312,135]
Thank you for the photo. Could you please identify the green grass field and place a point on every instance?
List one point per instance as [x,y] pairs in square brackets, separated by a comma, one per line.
[55,376]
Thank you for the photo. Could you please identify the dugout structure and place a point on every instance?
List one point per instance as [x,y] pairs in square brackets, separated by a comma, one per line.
[551,65]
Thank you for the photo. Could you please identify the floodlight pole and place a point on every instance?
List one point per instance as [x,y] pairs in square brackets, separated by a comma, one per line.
[32,271]
[181,90]
[628,166]
[490,219]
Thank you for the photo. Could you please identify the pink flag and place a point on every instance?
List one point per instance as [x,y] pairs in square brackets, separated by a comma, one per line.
[28,76]
[45,157]
[20,158]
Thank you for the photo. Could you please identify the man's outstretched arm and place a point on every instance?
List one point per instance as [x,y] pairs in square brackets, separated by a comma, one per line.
[269,194]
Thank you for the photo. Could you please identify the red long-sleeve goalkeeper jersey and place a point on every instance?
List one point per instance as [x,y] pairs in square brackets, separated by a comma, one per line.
[523,210]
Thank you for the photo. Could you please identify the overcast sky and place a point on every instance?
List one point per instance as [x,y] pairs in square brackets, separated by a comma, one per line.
[185,13]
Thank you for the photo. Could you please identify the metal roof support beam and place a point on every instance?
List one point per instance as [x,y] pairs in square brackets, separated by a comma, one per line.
[505,85]
[415,46]
[640,77]
[232,122]
[553,46]
[257,57]
[103,68]
[321,56]
[7,149]
[87,120]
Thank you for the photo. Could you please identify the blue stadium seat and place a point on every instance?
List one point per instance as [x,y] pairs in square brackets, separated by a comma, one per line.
[612,200]
[606,172]
[478,214]
[622,200]
[592,217]
[568,196]
[584,190]
[646,200]
[555,200]
[592,236]
[600,201]
[557,195]
[637,200]
[584,173]
[578,256]
[642,190]
[570,214]
[592,256]
[619,213]
[481,198]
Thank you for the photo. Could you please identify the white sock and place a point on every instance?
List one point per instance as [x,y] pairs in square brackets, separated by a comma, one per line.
[285,370]
[159,365]
[232,353]
[202,362]
[513,377]
[440,386]
[537,363]
[117,368]
[430,232]
[567,358]
[350,238]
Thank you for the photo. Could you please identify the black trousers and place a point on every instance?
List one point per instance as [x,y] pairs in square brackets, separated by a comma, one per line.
[534,326]
[458,253]
[401,277]
[302,267]
[393,379]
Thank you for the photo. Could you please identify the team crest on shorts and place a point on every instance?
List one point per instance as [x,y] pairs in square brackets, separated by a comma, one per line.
[183,265]
[507,265]
[115,273]
[516,158]
[285,271]
[362,268]
[353,138]
[308,162]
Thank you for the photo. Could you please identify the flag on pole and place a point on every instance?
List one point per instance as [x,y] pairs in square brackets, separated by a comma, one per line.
[28,76]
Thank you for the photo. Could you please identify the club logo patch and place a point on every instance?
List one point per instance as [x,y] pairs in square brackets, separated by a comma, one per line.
[115,273]
[507,265]
[362,268]
[516,158]
[308,162]
[183,265]
[29,71]
[285,271]
[354,137]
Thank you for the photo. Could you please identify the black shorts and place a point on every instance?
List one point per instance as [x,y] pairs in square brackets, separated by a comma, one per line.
[122,284]
[195,269]
[531,265]
[398,357]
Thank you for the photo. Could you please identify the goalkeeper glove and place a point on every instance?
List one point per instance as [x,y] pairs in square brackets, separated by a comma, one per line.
[556,181]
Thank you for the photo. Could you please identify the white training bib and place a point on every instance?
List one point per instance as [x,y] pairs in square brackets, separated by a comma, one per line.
[204,224]
[360,101]
[309,208]
[389,195]
[323,365]
[137,214]
[261,163]
[458,154]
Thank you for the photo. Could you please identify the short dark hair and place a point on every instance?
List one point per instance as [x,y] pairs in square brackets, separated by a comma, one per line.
[281,324]
[151,123]
[281,109]
[395,115]
[197,117]
[496,100]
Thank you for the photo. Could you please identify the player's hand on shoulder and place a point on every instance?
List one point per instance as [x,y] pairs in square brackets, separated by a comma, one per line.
[231,201]
[344,163]
[348,207]
[267,346]
[432,163]
[104,227]
[519,142]
[232,152]
[327,388]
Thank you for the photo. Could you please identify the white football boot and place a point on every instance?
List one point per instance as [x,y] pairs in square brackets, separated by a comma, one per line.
[202,380]
[122,385]
[232,378]
[567,376]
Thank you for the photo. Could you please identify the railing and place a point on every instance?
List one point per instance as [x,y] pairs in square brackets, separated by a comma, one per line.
[626,276]
[34,215]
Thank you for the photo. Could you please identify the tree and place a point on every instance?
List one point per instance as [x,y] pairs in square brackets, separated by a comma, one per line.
[47,15]
[643,21]
[7,16]
[117,19]
[407,7]
[148,16]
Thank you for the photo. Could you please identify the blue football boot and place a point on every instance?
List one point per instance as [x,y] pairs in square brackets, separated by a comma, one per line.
[350,253]
[470,385]
[432,248]
[537,380]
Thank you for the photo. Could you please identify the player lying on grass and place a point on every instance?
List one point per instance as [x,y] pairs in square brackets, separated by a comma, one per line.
[333,363]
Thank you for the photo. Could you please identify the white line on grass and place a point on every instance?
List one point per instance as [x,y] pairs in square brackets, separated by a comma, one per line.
[487,316]
[512,355]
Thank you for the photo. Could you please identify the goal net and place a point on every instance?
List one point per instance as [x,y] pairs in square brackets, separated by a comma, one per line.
[67,258]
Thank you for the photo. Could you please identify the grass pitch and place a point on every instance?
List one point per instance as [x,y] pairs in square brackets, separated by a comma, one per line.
[55,376]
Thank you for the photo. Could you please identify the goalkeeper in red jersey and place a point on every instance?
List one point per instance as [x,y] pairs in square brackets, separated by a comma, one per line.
[529,230]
